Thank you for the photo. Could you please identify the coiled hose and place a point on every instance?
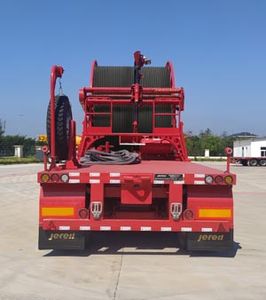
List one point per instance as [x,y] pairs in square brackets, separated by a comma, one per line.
[122,157]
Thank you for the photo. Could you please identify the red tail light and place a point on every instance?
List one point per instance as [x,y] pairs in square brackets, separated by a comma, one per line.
[219,179]
[55,177]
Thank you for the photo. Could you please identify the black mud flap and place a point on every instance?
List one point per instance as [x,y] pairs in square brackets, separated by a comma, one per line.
[210,241]
[61,240]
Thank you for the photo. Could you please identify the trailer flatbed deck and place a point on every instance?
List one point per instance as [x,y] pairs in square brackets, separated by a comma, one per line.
[154,166]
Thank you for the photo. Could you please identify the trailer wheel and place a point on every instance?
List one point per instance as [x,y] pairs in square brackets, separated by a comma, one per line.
[63,114]
[244,163]
[263,162]
[253,162]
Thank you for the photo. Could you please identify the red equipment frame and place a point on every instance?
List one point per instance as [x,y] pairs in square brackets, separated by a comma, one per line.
[169,194]
[89,96]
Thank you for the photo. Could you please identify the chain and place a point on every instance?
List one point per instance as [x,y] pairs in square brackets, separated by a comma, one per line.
[61,93]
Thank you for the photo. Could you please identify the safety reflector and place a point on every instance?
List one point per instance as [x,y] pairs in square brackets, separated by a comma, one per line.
[57,211]
[215,213]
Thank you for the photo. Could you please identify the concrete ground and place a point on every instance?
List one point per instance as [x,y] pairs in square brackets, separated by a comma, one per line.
[132,266]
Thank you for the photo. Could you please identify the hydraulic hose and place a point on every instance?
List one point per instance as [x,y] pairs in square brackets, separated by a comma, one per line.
[122,157]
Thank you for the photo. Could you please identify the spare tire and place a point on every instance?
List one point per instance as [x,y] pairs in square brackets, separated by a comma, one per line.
[63,115]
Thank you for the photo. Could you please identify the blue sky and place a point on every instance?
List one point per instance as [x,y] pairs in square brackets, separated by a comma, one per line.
[218,49]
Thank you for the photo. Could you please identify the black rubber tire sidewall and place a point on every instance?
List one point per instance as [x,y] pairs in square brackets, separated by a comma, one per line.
[63,114]
[263,162]
[253,162]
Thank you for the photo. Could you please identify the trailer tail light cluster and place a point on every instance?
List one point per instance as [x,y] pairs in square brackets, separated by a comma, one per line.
[209,179]
[219,179]
[54,178]
[45,178]
[228,179]
[64,178]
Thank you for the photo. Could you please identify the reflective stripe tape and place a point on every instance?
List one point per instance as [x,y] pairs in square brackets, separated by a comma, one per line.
[186,229]
[206,229]
[57,211]
[166,228]
[125,228]
[158,182]
[64,227]
[114,181]
[179,182]
[215,213]
[105,228]
[74,181]
[114,174]
[84,228]
[94,181]
[199,175]
[96,174]
[74,174]
[145,228]
[199,182]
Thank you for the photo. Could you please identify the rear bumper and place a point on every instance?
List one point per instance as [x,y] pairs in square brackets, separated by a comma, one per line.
[137,225]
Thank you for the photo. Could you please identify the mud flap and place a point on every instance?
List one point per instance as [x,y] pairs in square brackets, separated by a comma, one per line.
[61,240]
[210,241]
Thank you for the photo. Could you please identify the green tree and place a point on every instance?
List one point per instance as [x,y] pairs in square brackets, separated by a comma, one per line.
[2,127]
[196,144]
[7,143]
[193,144]
[210,141]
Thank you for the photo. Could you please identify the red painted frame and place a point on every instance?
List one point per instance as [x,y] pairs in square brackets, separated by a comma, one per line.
[89,96]
[56,72]
[97,178]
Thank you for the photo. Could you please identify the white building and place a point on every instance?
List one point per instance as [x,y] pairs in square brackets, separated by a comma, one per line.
[250,147]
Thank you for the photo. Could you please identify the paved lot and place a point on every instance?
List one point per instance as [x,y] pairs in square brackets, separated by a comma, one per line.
[123,267]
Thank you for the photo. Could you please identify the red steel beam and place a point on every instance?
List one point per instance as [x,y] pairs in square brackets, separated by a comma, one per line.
[128,90]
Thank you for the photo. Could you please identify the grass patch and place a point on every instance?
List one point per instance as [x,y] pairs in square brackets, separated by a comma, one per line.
[207,159]
[16,160]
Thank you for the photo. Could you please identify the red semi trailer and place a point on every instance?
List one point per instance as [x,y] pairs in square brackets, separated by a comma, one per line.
[249,161]
[131,171]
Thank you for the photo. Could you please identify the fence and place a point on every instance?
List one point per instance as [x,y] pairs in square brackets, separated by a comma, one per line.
[9,150]
[6,151]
